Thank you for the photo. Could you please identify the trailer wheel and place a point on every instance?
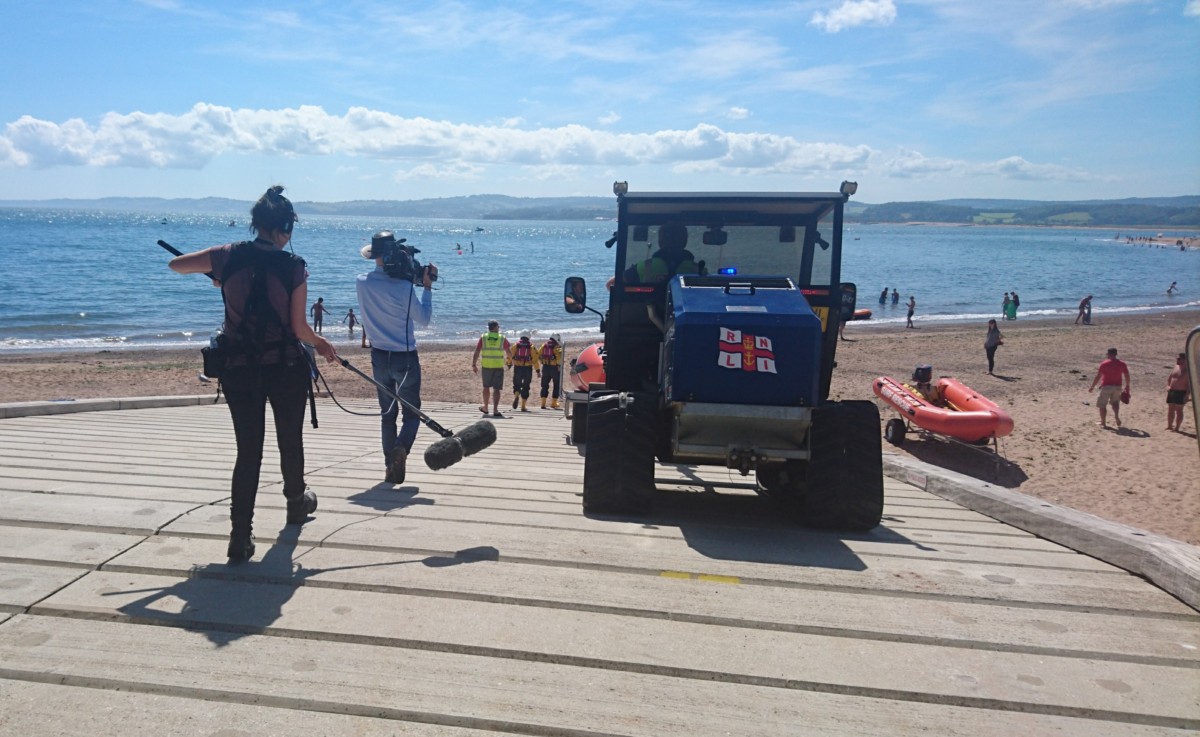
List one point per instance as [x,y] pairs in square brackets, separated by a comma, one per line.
[579,423]
[618,466]
[844,489]
[894,431]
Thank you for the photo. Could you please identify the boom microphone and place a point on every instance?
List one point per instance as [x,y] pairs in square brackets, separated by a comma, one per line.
[452,447]
[176,252]
[468,441]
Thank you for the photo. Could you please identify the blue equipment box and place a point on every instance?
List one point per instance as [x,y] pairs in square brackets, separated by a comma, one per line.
[740,344]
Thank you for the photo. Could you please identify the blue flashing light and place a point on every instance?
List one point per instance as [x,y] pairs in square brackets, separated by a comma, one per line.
[727,271]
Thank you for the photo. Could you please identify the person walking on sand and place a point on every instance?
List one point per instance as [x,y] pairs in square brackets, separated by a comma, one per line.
[993,340]
[1085,311]
[318,313]
[912,307]
[1109,376]
[1004,306]
[1016,304]
[492,350]
[264,289]
[524,361]
[551,356]
[1178,392]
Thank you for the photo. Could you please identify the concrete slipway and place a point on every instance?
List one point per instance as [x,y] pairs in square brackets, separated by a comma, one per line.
[478,600]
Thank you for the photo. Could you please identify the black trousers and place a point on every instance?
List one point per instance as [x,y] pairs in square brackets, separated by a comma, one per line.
[248,389]
[522,378]
[991,354]
[550,374]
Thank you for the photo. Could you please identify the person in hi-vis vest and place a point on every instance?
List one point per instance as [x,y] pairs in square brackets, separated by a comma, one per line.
[672,257]
[493,350]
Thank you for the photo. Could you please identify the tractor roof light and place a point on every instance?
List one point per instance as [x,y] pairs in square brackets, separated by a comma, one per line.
[848,188]
[620,188]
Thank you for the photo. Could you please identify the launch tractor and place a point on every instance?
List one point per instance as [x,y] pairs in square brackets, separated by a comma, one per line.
[719,342]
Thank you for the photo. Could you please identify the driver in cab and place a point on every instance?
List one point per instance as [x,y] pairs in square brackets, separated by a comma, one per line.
[671,258]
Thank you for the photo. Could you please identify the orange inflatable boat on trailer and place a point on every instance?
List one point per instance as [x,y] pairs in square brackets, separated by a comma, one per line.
[958,411]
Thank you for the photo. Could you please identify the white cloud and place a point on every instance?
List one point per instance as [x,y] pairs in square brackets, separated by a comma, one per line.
[1192,9]
[909,164]
[737,113]
[430,149]
[853,13]
[609,119]
[1100,4]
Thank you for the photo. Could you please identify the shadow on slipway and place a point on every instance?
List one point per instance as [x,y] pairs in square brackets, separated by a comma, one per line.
[225,602]
[727,520]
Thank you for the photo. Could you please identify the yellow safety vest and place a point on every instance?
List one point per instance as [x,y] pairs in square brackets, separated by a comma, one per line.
[492,355]
[656,269]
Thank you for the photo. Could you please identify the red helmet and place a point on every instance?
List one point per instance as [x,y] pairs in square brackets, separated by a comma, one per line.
[589,367]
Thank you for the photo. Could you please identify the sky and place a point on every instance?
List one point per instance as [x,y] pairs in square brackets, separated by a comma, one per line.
[348,100]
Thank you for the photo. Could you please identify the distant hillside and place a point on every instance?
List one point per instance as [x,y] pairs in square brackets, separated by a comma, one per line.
[1186,201]
[1177,212]
[1184,212]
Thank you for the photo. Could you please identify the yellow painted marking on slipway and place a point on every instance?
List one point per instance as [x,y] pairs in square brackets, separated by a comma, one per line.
[709,577]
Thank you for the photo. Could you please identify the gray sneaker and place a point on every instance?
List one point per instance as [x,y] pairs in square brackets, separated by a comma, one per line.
[397,465]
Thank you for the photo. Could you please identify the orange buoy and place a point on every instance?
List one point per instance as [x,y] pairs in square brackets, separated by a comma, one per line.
[589,367]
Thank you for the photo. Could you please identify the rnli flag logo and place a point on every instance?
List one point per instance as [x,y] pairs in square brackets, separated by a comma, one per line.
[746,352]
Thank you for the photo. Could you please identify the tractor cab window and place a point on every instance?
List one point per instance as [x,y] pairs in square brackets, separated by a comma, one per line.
[654,253]
[821,271]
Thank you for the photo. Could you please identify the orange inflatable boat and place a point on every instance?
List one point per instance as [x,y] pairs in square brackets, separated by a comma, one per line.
[961,413]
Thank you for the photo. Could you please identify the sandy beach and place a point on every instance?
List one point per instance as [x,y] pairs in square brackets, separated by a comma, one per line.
[1142,475]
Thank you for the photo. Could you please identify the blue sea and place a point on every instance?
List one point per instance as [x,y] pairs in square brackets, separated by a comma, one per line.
[82,280]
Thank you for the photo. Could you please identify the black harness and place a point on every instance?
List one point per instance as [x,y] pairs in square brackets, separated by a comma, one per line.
[248,343]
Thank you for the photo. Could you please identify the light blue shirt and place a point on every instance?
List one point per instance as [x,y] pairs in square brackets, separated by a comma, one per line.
[391,310]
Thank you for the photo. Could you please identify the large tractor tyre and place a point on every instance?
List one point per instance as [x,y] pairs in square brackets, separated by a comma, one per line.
[894,432]
[618,467]
[844,489]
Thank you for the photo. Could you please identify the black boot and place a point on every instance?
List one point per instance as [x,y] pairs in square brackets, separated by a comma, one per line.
[301,507]
[241,543]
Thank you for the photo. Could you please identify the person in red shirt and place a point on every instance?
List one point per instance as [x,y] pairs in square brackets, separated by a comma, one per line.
[1112,375]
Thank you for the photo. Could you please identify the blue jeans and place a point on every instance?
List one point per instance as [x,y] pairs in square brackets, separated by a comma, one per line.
[401,372]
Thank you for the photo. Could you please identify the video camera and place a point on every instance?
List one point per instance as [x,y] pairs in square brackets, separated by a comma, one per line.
[399,260]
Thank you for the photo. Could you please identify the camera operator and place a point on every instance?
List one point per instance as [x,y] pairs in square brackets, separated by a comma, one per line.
[390,311]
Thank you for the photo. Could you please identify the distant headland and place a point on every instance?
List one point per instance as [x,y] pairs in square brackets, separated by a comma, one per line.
[1133,212]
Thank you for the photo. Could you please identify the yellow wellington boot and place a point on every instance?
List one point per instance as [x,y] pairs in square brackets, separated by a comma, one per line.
[523,405]
[543,403]
[554,403]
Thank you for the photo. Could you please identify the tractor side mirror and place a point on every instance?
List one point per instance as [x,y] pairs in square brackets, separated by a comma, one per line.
[575,294]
